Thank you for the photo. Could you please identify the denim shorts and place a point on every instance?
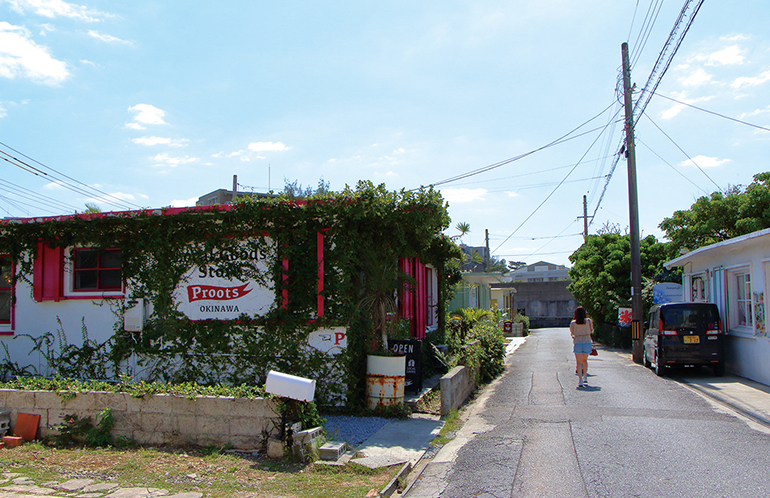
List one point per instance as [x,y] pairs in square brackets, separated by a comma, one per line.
[582,348]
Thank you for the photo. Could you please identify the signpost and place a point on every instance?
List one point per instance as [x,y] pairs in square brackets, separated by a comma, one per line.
[412,349]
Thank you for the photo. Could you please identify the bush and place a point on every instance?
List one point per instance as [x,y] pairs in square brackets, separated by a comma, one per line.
[519,318]
[491,355]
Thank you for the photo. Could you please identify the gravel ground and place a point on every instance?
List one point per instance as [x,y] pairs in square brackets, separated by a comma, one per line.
[352,430]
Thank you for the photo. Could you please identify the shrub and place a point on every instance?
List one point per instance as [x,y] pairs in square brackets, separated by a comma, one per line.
[491,350]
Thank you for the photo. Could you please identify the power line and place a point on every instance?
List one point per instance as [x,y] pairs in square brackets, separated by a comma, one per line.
[714,113]
[683,152]
[670,166]
[76,185]
[558,141]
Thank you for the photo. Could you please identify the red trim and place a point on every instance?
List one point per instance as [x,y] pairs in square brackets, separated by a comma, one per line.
[320,261]
[47,274]
[12,288]
[285,291]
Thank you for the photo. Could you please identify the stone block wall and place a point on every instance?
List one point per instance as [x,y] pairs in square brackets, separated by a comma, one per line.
[456,387]
[158,419]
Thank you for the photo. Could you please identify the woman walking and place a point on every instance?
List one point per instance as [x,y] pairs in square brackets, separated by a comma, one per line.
[581,329]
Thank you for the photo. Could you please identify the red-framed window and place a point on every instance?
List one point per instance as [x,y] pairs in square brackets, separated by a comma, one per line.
[6,289]
[96,270]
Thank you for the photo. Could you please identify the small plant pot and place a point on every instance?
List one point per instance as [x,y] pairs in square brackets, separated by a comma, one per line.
[12,441]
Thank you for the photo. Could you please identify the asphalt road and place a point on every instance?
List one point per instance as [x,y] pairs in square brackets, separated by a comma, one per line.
[533,433]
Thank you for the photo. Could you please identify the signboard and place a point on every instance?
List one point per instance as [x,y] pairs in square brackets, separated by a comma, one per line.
[413,351]
[625,317]
[330,341]
[667,293]
[204,294]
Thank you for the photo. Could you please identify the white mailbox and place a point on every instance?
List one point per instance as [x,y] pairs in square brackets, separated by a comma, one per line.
[289,386]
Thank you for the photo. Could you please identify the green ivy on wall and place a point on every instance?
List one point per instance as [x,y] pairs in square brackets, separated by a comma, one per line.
[365,223]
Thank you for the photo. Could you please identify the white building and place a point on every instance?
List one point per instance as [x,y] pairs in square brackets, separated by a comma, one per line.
[735,275]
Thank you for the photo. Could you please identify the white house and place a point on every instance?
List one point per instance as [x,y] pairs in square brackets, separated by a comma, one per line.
[735,275]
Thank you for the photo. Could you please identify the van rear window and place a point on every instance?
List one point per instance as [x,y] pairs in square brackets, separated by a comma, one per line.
[690,317]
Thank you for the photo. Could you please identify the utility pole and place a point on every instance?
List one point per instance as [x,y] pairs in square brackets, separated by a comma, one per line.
[486,256]
[585,219]
[633,214]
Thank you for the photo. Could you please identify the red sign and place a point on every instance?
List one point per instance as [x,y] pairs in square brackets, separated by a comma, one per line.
[215,293]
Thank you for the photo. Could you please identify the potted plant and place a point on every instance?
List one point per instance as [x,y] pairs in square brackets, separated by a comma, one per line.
[385,372]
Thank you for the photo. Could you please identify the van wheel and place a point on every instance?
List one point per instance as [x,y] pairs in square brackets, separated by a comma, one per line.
[660,368]
[719,369]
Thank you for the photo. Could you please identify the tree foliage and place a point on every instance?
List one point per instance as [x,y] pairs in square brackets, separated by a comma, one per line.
[721,216]
[601,272]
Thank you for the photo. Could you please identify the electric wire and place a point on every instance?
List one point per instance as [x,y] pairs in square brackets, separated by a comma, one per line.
[672,167]
[558,141]
[554,190]
[683,152]
[76,186]
[14,189]
[714,113]
[644,35]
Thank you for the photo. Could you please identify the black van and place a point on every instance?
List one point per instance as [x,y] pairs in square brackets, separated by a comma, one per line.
[680,334]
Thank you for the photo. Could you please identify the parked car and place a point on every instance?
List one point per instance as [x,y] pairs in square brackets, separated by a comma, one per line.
[680,334]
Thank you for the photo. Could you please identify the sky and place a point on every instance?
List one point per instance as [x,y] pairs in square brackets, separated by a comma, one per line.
[152,104]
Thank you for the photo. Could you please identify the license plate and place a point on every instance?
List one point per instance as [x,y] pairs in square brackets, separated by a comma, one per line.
[692,339]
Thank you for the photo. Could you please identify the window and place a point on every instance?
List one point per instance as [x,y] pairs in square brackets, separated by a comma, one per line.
[97,270]
[739,305]
[699,289]
[6,288]
[743,299]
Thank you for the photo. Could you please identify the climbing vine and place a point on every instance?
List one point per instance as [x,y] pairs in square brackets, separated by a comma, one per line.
[161,247]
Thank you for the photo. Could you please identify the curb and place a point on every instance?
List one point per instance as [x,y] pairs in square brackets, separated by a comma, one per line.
[745,411]
[391,487]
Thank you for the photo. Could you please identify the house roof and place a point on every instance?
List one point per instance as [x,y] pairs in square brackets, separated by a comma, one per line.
[724,245]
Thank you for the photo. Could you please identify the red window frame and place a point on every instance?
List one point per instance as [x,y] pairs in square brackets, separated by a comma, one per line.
[7,286]
[99,269]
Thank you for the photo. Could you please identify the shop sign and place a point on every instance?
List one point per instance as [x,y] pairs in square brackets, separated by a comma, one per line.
[205,294]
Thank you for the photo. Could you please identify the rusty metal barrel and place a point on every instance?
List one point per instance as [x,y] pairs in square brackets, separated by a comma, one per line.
[385,379]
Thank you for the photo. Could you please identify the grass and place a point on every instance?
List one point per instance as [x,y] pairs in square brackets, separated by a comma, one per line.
[215,475]
[452,424]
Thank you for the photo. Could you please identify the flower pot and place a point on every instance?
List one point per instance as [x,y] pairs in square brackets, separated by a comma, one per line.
[385,378]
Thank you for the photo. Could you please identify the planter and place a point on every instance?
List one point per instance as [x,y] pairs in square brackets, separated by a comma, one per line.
[12,441]
[385,378]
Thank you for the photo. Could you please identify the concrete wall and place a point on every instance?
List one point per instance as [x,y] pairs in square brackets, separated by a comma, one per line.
[155,420]
[456,387]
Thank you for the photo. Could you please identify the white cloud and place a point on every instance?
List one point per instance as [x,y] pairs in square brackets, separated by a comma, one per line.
[727,56]
[704,162]
[107,38]
[160,141]
[463,194]
[696,78]
[267,146]
[54,186]
[751,80]
[235,154]
[755,112]
[87,62]
[57,8]
[46,28]
[146,114]
[135,126]
[164,158]
[184,203]
[400,150]
[677,108]
[22,57]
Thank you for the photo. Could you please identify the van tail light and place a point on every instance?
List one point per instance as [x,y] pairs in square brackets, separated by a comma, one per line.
[662,330]
[716,331]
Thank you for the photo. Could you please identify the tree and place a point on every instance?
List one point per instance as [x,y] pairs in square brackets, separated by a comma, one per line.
[515,265]
[721,216]
[601,272]
[295,190]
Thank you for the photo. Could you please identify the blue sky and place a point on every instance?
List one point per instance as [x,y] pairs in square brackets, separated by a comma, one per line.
[157,103]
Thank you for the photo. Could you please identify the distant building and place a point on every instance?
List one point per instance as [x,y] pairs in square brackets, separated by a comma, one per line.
[541,271]
[475,258]
[223,196]
[538,291]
